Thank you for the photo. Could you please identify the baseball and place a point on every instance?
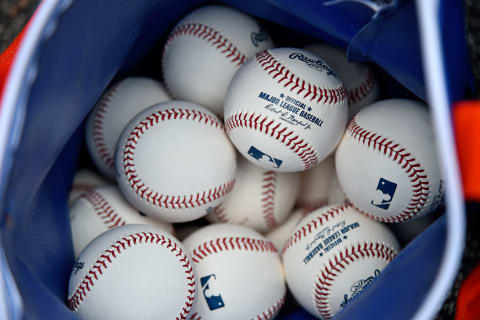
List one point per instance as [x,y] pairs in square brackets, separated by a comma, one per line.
[315,185]
[175,162]
[83,181]
[360,82]
[205,49]
[101,209]
[132,272]
[395,176]
[271,196]
[333,254]
[285,110]
[117,106]
[335,192]
[239,274]
[281,232]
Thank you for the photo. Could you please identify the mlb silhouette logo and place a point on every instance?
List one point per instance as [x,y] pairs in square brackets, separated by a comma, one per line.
[211,292]
[385,192]
[261,156]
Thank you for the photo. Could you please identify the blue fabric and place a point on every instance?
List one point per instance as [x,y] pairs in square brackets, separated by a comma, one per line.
[97,40]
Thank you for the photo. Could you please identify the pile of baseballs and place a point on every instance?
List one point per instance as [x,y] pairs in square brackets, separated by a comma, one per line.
[285,151]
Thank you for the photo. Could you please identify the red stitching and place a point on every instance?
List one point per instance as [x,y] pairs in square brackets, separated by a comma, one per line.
[231,243]
[103,209]
[334,267]
[211,36]
[220,213]
[144,191]
[83,187]
[310,206]
[401,156]
[317,221]
[362,90]
[272,311]
[268,198]
[97,130]
[268,314]
[307,153]
[195,316]
[111,253]
[297,85]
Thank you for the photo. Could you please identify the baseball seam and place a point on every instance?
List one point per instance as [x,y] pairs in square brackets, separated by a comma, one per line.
[268,314]
[361,91]
[98,134]
[231,244]
[220,213]
[289,80]
[83,187]
[103,209]
[120,246]
[269,185]
[144,191]
[401,156]
[211,36]
[311,205]
[272,311]
[306,152]
[340,261]
[313,224]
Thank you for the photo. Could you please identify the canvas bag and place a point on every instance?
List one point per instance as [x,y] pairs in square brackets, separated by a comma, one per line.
[75,48]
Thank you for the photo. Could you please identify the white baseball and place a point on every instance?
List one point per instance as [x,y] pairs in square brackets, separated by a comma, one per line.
[132,272]
[335,192]
[261,199]
[315,185]
[204,51]
[285,110]
[332,255]
[101,209]
[394,175]
[280,233]
[117,106]
[360,82]
[174,161]
[83,181]
[239,274]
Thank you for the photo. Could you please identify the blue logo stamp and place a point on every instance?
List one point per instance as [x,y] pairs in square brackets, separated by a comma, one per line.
[210,292]
[385,192]
[260,156]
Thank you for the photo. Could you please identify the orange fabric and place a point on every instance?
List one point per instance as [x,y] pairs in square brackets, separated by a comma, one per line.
[466,117]
[7,57]
[468,301]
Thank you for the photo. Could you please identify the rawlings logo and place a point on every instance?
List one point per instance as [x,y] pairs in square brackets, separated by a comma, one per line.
[358,288]
[258,37]
[77,266]
[316,64]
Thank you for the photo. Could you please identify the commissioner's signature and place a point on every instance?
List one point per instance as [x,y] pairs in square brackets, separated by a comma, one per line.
[325,232]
